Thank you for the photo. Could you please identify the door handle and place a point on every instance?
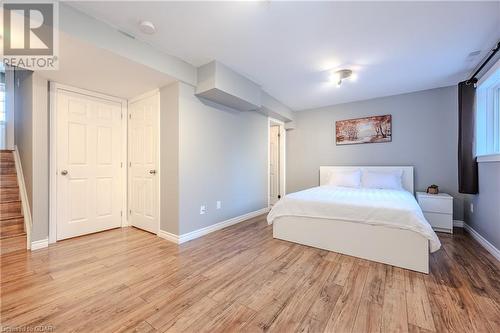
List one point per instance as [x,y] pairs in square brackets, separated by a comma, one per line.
[64,172]
[152,172]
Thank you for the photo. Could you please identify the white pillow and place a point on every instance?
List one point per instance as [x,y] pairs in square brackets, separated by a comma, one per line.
[345,178]
[383,180]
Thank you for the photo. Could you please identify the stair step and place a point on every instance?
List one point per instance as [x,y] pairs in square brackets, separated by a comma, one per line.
[5,220]
[13,230]
[9,210]
[7,170]
[8,181]
[6,164]
[12,221]
[8,194]
[12,234]
[6,156]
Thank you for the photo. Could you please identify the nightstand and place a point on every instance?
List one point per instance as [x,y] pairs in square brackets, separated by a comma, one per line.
[438,210]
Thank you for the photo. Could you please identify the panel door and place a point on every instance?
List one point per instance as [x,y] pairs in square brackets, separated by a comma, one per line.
[89,146]
[143,173]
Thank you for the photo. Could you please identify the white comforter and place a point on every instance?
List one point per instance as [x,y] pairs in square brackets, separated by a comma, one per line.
[390,208]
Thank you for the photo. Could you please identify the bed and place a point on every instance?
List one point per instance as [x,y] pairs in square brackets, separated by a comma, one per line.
[381,225]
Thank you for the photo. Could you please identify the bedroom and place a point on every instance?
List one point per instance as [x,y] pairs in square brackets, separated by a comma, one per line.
[329,120]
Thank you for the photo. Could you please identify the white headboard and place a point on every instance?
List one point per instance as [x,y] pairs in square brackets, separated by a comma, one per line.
[407,178]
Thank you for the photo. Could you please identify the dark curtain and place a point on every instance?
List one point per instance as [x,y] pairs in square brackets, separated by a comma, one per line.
[467,164]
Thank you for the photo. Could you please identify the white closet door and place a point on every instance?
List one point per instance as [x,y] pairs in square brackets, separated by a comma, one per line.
[143,164]
[89,146]
[274,166]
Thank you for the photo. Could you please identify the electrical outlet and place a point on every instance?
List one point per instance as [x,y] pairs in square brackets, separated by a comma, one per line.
[471,207]
[219,204]
[203,209]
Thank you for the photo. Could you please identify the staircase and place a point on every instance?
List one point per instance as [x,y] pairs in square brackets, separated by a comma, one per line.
[12,233]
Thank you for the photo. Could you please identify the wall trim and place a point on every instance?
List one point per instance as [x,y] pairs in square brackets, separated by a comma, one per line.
[144,96]
[24,197]
[39,244]
[179,239]
[483,241]
[458,223]
[168,236]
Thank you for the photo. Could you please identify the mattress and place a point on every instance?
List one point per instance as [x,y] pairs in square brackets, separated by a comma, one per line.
[389,208]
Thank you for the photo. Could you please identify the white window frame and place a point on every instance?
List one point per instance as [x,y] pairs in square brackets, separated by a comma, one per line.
[488,116]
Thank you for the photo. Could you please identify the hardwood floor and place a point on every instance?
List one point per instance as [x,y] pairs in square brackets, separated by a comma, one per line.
[12,234]
[241,279]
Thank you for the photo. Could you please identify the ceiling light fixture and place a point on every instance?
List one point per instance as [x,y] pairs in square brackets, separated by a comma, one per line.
[341,75]
[147,27]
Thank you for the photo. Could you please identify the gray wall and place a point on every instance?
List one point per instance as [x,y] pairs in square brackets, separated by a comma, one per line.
[32,141]
[425,134]
[208,153]
[9,107]
[169,158]
[40,209]
[486,216]
[223,156]
[23,120]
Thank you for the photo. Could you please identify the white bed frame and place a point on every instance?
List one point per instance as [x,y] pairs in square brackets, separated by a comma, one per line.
[397,247]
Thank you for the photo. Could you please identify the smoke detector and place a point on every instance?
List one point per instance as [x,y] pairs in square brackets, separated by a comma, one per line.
[147,27]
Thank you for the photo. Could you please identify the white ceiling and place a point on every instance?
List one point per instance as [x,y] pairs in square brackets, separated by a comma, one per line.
[85,66]
[289,47]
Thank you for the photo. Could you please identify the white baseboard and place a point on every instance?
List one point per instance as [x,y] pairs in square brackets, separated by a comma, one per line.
[179,239]
[40,244]
[483,241]
[168,236]
[24,197]
[458,223]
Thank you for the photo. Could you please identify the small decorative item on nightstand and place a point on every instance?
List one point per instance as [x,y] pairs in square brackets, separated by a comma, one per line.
[433,189]
[438,210]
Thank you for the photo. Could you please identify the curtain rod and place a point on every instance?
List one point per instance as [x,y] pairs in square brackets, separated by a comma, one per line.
[493,52]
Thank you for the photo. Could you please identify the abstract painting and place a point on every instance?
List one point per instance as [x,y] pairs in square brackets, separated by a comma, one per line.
[364,130]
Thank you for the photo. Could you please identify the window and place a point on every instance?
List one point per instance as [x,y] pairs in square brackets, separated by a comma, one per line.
[2,101]
[3,115]
[3,107]
[488,113]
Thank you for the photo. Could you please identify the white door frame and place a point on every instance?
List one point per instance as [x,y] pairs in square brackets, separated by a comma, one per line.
[53,172]
[158,168]
[272,121]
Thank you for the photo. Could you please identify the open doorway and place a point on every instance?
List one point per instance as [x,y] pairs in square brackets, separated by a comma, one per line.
[276,159]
